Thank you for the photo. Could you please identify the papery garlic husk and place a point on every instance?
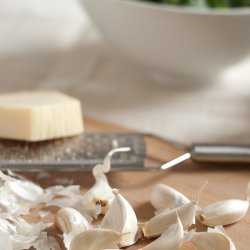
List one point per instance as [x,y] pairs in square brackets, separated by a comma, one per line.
[223,212]
[101,193]
[122,218]
[71,223]
[21,234]
[215,239]
[17,196]
[96,239]
[162,221]
[170,239]
[25,189]
[163,197]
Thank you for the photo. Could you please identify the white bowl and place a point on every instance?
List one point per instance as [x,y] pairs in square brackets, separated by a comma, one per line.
[186,43]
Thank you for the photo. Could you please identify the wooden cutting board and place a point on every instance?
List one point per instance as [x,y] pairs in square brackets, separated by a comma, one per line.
[224,182]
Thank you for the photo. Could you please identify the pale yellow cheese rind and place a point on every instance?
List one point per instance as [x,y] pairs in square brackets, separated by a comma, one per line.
[39,115]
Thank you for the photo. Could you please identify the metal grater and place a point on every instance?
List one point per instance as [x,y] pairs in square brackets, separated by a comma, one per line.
[73,153]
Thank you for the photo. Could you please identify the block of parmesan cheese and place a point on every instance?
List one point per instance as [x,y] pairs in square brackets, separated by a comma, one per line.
[39,115]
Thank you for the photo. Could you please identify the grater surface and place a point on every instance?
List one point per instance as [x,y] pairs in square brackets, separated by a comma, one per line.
[73,153]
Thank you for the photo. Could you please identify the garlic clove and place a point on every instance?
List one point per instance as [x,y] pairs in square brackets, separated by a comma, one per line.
[163,197]
[171,239]
[69,220]
[122,218]
[215,239]
[160,222]
[71,223]
[223,212]
[96,239]
[100,194]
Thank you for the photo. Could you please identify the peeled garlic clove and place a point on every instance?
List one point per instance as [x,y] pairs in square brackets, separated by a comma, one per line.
[96,239]
[163,197]
[223,212]
[213,239]
[159,223]
[70,220]
[171,239]
[100,194]
[122,218]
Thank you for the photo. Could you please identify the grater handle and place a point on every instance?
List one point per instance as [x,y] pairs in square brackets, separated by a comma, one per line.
[221,153]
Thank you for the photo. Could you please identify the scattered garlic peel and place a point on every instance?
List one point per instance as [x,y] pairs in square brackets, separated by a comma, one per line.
[171,239]
[25,189]
[212,239]
[203,186]
[96,239]
[163,197]
[122,218]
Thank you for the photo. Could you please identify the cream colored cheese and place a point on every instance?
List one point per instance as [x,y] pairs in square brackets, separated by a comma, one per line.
[39,115]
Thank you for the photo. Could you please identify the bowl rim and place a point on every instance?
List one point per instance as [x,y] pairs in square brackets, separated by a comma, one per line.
[240,11]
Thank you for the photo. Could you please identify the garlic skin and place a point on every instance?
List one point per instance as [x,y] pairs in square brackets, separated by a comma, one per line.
[70,220]
[223,212]
[215,239]
[163,197]
[160,222]
[96,239]
[171,239]
[101,193]
[122,218]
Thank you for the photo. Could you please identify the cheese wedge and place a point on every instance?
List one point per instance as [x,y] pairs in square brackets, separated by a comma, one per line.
[39,115]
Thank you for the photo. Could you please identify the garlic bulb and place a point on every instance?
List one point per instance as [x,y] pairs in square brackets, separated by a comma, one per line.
[101,193]
[122,218]
[224,212]
[215,239]
[171,239]
[160,222]
[96,239]
[163,197]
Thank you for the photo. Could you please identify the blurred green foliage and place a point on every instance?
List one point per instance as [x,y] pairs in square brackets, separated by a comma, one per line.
[206,3]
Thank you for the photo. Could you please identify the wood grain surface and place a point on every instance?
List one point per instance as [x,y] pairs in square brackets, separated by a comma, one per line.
[224,182]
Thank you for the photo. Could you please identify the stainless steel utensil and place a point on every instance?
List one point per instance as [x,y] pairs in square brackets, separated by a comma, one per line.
[85,151]
[224,153]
